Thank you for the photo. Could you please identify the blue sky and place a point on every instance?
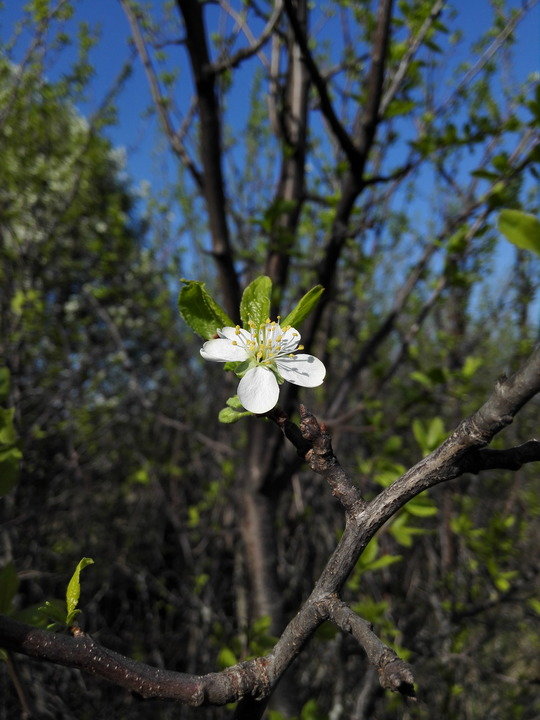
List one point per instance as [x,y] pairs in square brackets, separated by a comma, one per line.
[139,134]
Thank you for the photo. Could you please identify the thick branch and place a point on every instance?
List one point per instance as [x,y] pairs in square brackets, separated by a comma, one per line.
[342,136]
[366,125]
[462,452]
[157,96]
[210,150]
[84,653]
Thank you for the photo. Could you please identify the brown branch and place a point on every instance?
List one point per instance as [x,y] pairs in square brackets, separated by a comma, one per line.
[254,680]
[394,674]
[210,150]
[313,444]
[158,98]
[293,125]
[509,459]
[84,653]
[414,45]
[366,123]
[365,128]
[255,44]
[342,136]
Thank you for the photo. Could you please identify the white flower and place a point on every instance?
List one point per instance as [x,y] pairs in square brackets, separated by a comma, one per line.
[268,351]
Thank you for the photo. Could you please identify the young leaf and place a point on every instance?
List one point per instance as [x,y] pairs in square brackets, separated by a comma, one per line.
[255,303]
[74,589]
[522,229]
[305,305]
[200,311]
[230,415]
[54,613]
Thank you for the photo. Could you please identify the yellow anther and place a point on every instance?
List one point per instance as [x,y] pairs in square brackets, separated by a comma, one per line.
[300,347]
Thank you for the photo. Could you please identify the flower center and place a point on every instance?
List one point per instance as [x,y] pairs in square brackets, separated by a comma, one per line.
[268,341]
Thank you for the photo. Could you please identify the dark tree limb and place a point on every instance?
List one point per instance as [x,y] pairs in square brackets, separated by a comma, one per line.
[394,674]
[366,123]
[157,96]
[210,150]
[253,681]
[322,460]
[338,130]
[365,129]
[84,653]
[233,61]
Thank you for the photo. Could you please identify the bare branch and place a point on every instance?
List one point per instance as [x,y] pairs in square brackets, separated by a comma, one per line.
[366,123]
[406,60]
[342,136]
[394,673]
[254,680]
[210,149]
[510,459]
[497,43]
[82,652]
[159,99]
[255,43]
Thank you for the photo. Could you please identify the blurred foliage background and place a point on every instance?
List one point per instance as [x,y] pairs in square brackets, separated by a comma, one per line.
[124,460]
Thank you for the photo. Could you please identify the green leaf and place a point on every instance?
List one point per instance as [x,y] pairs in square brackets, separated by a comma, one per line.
[370,553]
[419,432]
[521,229]
[234,402]
[9,584]
[74,589]
[304,306]
[421,506]
[471,365]
[255,303]
[53,611]
[200,311]
[422,378]
[231,415]
[435,434]
[383,561]
[226,658]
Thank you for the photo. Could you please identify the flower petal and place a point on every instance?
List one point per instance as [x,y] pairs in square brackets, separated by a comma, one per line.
[290,338]
[222,350]
[258,390]
[304,370]
[232,333]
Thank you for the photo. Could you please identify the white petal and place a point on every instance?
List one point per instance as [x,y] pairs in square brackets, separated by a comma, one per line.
[232,333]
[304,370]
[222,350]
[258,390]
[289,339]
